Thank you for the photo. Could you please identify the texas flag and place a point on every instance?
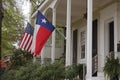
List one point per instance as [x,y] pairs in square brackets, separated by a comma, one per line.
[43,29]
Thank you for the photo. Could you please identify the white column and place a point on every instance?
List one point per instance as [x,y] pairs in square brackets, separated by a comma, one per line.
[42,55]
[53,36]
[101,48]
[115,34]
[34,59]
[68,33]
[89,40]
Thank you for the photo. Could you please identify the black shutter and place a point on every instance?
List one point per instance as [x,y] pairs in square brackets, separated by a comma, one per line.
[75,33]
[111,36]
[94,38]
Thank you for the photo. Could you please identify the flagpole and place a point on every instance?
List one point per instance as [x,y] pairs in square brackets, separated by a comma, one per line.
[34,59]
[42,55]
[60,33]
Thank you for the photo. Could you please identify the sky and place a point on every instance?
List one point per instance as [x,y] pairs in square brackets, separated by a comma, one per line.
[25,7]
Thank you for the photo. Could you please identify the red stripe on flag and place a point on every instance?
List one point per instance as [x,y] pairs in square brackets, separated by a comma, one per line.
[22,42]
[28,39]
[28,49]
[41,37]
[21,39]
[25,40]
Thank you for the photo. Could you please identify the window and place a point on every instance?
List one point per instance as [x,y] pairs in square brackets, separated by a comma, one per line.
[82,44]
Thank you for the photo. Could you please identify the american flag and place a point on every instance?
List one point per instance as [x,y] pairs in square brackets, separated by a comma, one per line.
[27,37]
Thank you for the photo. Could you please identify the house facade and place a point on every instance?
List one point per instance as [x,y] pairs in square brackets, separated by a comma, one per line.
[91,29]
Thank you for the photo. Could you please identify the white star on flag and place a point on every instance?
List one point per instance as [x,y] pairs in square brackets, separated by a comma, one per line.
[44,21]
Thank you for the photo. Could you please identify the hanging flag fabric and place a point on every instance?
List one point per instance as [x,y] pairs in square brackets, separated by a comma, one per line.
[43,29]
[27,37]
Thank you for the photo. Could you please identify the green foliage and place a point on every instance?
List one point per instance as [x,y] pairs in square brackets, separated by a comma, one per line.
[9,75]
[12,26]
[20,58]
[71,72]
[22,68]
[35,71]
[27,72]
[79,70]
[34,6]
[112,67]
[74,71]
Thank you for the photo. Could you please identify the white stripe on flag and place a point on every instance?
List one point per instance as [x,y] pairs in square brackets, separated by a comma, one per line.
[22,42]
[28,44]
[25,42]
[34,39]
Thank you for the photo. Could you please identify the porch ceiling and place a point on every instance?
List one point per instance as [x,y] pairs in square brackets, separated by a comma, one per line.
[78,9]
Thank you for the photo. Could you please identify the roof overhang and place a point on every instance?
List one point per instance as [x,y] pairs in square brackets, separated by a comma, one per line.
[78,9]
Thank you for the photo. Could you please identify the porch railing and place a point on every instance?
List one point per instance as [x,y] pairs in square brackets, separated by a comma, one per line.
[94,64]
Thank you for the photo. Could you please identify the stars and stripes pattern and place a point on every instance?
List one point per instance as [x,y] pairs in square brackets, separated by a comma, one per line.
[27,37]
